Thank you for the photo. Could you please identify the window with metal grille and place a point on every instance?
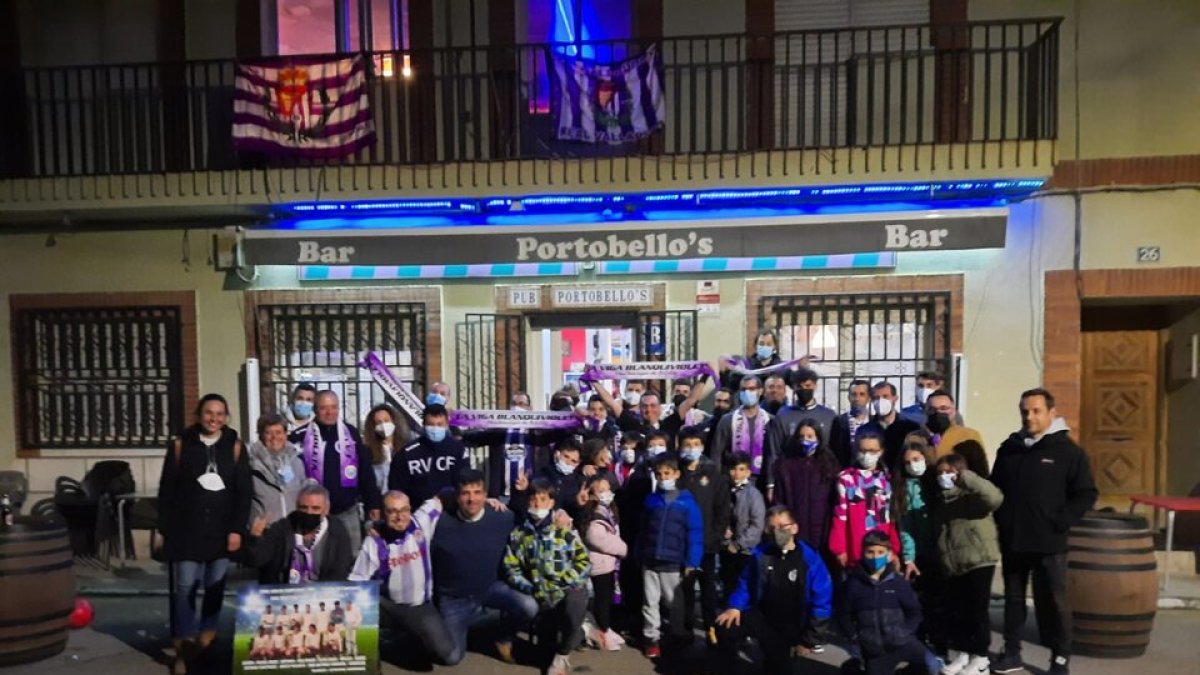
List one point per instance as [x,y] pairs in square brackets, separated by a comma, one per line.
[99,377]
[323,343]
[877,337]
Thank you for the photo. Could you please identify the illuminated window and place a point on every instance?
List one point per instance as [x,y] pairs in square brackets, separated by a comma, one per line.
[312,26]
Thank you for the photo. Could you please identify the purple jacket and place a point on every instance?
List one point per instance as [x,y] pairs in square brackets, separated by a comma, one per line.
[800,486]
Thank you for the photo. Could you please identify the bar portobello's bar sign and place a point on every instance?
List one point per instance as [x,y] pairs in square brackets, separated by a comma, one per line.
[648,240]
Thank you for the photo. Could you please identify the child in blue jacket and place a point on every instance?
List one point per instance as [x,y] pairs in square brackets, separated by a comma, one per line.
[670,545]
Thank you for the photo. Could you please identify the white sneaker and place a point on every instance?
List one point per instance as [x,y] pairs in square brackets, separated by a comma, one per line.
[979,665]
[957,663]
[613,640]
[560,666]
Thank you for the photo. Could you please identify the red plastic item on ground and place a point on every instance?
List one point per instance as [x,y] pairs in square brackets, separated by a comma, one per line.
[82,615]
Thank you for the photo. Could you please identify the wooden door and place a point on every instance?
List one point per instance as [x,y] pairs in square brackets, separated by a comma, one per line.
[1120,412]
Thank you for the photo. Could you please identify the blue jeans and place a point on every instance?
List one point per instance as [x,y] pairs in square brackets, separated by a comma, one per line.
[459,613]
[189,575]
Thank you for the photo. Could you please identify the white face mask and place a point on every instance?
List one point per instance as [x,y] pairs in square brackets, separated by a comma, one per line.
[628,455]
[666,485]
[656,450]
[881,407]
[868,460]
[605,498]
[565,468]
[633,397]
[946,480]
[538,515]
[385,429]
[916,468]
[923,395]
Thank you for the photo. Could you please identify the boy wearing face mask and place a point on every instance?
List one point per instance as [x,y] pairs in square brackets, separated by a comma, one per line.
[636,481]
[565,475]
[879,612]
[671,546]
[747,517]
[864,504]
[304,547]
[783,599]
[302,409]
[428,465]
[551,564]
[703,478]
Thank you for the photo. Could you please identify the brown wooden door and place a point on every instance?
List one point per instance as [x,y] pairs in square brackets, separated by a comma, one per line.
[1120,412]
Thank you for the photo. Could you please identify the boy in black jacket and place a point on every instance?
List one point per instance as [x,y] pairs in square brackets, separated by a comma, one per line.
[710,487]
[879,611]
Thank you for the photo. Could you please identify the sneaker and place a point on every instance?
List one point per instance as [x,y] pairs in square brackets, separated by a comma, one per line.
[652,650]
[614,640]
[560,666]
[1010,662]
[1059,666]
[958,661]
[979,665]
[818,649]
[504,651]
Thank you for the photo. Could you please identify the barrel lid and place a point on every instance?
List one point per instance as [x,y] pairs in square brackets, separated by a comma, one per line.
[1110,520]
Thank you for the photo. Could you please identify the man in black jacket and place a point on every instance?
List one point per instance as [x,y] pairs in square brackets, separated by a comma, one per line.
[321,553]
[1047,484]
[710,487]
[428,465]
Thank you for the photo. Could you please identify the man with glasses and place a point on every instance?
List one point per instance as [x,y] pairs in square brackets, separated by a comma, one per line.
[784,600]
[945,429]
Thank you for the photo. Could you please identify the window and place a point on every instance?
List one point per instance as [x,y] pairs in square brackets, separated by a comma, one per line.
[874,337]
[100,376]
[329,26]
[581,23]
[323,343]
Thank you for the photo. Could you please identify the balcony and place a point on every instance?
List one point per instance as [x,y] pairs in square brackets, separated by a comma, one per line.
[896,102]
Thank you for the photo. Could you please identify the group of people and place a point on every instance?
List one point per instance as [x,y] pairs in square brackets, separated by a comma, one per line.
[789,526]
[324,632]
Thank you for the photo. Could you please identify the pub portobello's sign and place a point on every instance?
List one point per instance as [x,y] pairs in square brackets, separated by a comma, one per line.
[650,240]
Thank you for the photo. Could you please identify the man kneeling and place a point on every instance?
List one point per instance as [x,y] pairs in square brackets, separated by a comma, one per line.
[397,554]
[783,598]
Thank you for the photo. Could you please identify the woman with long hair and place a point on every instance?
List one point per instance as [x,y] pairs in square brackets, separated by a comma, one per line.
[204,498]
[385,432]
[805,478]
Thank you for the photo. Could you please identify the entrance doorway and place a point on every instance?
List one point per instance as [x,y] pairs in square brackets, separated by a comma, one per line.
[558,356]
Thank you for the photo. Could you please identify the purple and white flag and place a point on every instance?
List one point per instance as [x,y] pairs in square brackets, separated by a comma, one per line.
[394,387]
[307,106]
[647,370]
[608,104]
[513,419]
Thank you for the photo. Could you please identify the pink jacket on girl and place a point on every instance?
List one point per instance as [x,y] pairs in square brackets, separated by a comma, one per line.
[604,544]
[864,503]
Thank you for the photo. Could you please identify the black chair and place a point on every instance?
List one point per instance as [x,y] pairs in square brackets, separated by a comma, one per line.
[45,508]
[88,507]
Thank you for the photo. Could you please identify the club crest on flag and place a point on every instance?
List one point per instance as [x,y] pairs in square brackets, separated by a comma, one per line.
[608,103]
[315,107]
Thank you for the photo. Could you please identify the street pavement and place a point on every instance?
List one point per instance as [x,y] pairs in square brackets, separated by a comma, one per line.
[130,635]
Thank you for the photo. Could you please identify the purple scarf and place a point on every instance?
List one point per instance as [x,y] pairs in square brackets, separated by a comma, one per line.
[743,441]
[314,455]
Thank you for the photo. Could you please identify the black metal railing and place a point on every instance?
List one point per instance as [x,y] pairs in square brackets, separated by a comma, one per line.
[790,91]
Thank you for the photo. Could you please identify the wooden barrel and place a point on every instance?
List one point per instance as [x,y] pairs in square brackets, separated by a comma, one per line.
[1112,585]
[37,590]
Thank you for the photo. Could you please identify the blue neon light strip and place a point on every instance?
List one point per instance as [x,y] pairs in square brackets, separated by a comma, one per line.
[391,272]
[632,206]
[693,265]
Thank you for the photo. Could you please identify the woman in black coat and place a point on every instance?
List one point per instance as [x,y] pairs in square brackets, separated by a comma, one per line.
[204,502]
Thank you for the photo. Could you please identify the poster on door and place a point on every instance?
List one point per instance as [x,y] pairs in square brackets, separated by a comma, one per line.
[655,339]
[328,627]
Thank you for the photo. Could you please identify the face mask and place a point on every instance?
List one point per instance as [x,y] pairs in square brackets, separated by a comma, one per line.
[691,454]
[605,498]
[938,422]
[628,455]
[809,446]
[434,398]
[855,411]
[564,468]
[304,522]
[923,395]
[740,483]
[782,537]
[538,515]
[666,485]
[385,429]
[946,480]
[719,412]
[773,406]
[678,400]
[804,396]
[521,408]
[881,407]
[873,565]
[436,434]
[916,468]
[868,460]
[764,352]
[656,450]
[748,397]
[633,397]
[302,409]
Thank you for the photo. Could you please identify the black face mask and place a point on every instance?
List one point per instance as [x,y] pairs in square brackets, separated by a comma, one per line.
[718,413]
[304,522]
[804,396]
[678,400]
[938,422]
[772,406]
